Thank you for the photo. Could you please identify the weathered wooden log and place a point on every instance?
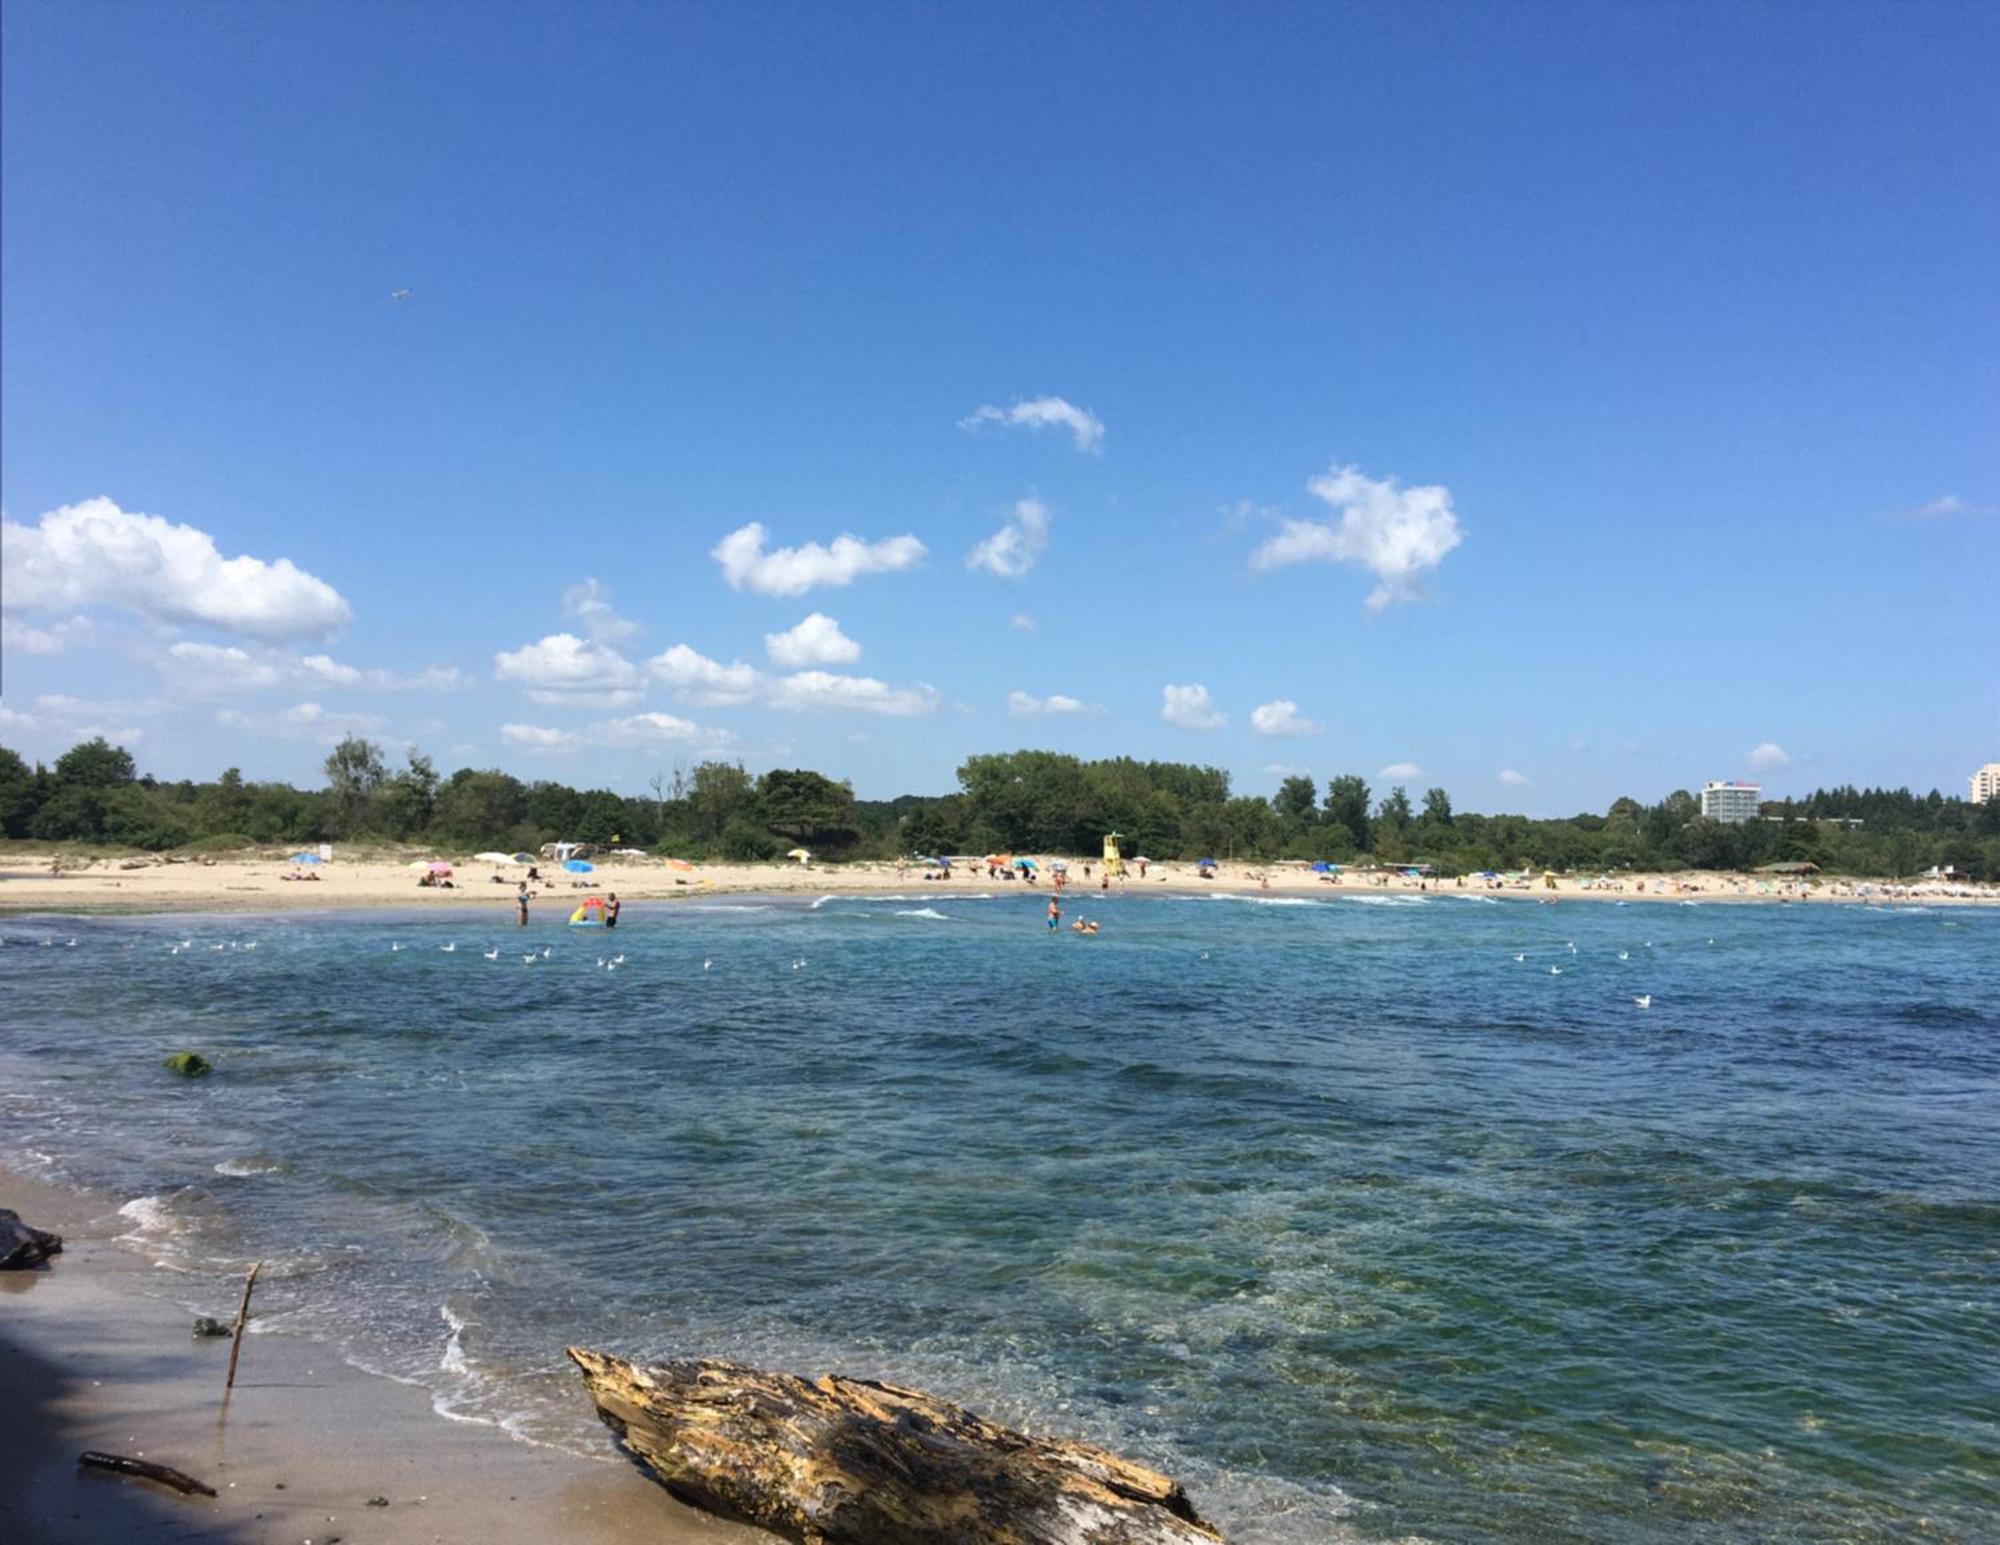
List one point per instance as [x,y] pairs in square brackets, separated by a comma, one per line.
[835,1460]
[22,1246]
[146,1470]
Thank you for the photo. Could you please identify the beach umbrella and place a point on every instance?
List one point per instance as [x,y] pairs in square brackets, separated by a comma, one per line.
[303,858]
[493,858]
[438,866]
[998,858]
[1204,863]
[1025,863]
[1322,867]
[679,863]
[576,866]
[1058,864]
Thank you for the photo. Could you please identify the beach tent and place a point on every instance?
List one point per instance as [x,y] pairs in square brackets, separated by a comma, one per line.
[494,858]
[576,866]
[1323,867]
[303,858]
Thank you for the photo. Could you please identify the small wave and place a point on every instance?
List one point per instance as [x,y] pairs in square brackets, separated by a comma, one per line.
[925,912]
[1487,901]
[254,1164]
[729,906]
[1266,901]
[1388,901]
[151,1219]
[829,899]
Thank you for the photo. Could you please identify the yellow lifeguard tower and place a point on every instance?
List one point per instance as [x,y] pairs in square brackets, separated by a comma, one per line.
[1114,861]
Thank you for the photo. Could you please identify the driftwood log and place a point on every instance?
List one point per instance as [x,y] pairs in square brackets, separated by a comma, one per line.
[146,1470]
[835,1460]
[22,1246]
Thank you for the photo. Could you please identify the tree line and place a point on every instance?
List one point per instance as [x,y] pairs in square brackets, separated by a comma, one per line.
[1027,801]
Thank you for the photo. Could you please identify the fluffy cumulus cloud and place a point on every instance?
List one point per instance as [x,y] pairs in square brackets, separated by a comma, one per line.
[1043,413]
[21,638]
[537,737]
[564,669]
[1770,754]
[795,570]
[1012,550]
[694,678]
[1401,770]
[1513,779]
[1025,705]
[821,691]
[200,669]
[95,554]
[1281,717]
[1397,534]
[815,641]
[1189,708]
[588,601]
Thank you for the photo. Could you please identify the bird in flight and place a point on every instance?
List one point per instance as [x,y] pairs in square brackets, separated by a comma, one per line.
[399,295]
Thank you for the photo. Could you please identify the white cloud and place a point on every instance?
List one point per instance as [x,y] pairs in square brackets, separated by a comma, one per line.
[1025,705]
[589,602]
[1952,507]
[202,670]
[1285,770]
[1042,413]
[303,721]
[1012,550]
[1513,779]
[536,737]
[95,554]
[1281,717]
[809,691]
[13,719]
[1401,770]
[647,729]
[1395,533]
[1770,754]
[1023,623]
[18,636]
[1189,708]
[694,678]
[815,641]
[563,669]
[795,570]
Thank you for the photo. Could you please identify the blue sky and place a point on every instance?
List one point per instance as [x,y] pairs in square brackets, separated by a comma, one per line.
[1564,401]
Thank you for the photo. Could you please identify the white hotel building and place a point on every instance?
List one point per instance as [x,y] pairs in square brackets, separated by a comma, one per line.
[1731,803]
[1986,783]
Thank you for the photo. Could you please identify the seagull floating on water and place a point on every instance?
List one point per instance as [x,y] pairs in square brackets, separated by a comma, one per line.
[529,960]
[706,964]
[492,954]
[446,949]
[1555,970]
[1624,954]
[1520,957]
[1644,1000]
[545,952]
[394,947]
[618,960]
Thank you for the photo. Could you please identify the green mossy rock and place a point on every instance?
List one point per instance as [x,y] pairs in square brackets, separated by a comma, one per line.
[189,1064]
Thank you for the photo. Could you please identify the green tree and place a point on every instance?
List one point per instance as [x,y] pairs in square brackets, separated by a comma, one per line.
[1437,808]
[17,794]
[95,764]
[1296,802]
[807,807]
[1347,807]
[354,771]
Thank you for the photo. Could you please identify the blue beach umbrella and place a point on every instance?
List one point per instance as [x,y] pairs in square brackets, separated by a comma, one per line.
[1204,863]
[1322,867]
[576,866]
[303,858]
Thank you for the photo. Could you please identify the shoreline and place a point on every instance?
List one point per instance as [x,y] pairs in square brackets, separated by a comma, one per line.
[105,887]
[93,1359]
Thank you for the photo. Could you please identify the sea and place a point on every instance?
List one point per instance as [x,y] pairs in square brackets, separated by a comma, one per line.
[1440,1217]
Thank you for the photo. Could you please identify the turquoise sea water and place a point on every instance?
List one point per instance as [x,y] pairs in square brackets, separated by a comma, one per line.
[1336,1209]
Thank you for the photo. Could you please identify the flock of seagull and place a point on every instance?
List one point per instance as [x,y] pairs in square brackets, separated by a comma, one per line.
[1642,1000]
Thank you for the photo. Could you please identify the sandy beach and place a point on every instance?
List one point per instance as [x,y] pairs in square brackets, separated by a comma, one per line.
[269,883]
[98,1355]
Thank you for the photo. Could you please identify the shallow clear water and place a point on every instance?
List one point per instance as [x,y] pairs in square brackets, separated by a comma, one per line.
[1335,1209]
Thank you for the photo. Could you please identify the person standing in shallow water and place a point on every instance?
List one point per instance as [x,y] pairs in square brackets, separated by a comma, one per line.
[611,910]
[1055,914]
[521,903]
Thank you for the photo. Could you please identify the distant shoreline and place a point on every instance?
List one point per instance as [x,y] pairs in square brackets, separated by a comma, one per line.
[103,887]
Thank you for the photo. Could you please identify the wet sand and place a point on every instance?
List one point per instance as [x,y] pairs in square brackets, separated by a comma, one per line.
[90,1358]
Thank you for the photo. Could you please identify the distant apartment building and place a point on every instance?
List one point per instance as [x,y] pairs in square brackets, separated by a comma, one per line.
[1986,783]
[1732,803]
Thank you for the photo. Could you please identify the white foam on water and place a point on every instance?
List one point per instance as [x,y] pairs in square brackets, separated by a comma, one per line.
[728,906]
[1263,901]
[925,912]
[1389,901]
[250,1166]
[150,1219]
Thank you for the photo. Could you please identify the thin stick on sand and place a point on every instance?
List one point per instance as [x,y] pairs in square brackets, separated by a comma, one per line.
[146,1470]
[242,1314]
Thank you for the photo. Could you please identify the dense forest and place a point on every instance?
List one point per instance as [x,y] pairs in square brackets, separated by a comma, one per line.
[1032,801]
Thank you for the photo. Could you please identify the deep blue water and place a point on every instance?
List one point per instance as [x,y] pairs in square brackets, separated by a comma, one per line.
[1337,1210]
